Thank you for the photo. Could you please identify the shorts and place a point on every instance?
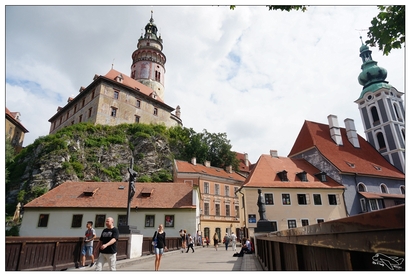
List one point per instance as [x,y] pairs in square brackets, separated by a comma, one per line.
[87,250]
[159,251]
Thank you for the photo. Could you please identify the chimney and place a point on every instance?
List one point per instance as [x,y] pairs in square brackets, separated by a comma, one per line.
[274,153]
[193,161]
[351,132]
[335,130]
[246,160]
[228,169]
[207,164]
[81,89]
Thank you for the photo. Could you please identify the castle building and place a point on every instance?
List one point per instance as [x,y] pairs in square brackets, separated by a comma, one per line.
[382,110]
[115,98]
[15,130]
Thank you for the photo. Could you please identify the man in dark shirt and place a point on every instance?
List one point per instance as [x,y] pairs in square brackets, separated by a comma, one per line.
[108,246]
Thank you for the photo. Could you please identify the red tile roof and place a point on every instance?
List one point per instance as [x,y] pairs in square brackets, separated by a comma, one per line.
[379,195]
[112,74]
[242,162]
[115,195]
[265,172]
[12,118]
[366,159]
[186,167]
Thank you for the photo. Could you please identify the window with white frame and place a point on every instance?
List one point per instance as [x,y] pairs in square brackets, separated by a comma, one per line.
[373,204]
[302,199]
[317,199]
[227,210]
[217,209]
[320,220]
[269,199]
[291,223]
[206,188]
[226,190]
[305,222]
[285,199]
[361,187]
[235,191]
[383,189]
[206,208]
[332,199]
[217,189]
[363,205]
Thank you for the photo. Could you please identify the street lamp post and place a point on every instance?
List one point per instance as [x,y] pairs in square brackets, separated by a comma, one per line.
[127,229]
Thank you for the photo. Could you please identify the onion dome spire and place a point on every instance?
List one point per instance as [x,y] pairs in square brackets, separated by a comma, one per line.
[372,76]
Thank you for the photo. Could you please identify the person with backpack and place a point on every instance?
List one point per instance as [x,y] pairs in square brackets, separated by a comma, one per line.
[226,241]
[190,243]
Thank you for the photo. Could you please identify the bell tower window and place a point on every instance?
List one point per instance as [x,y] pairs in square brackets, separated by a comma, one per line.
[375,115]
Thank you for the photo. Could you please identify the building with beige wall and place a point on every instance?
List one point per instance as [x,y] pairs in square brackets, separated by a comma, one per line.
[115,98]
[219,203]
[295,193]
[15,130]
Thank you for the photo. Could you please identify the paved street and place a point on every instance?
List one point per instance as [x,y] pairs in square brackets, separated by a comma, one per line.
[204,259]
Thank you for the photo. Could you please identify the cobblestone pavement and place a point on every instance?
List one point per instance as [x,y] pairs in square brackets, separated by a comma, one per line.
[203,259]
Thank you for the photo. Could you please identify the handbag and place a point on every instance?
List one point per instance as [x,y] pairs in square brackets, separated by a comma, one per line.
[154,242]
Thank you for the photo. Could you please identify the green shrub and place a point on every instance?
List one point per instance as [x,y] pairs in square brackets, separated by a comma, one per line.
[14,231]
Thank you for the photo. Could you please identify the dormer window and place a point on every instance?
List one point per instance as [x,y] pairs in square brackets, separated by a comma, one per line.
[119,78]
[283,175]
[321,176]
[89,192]
[351,165]
[302,176]
[146,192]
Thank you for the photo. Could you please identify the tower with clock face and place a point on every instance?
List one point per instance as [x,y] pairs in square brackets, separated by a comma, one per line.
[382,110]
[148,61]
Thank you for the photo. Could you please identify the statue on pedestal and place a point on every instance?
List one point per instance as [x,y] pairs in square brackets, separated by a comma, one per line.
[261,205]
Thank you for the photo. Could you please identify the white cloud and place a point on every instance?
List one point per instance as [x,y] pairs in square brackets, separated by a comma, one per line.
[252,73]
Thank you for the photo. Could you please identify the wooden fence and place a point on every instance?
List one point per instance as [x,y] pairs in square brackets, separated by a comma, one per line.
[366,242]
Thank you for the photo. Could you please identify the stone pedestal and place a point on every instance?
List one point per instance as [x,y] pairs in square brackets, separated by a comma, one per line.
[264,226]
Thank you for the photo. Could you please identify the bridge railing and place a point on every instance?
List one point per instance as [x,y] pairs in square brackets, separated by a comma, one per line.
[365,242]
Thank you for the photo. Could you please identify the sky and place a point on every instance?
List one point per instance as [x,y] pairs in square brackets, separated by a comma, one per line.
[251,73]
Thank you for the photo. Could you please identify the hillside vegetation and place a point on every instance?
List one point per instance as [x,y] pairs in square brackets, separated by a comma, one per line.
[86,152]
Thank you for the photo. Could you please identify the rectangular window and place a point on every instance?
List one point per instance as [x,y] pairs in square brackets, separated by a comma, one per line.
[302,199]
[75,108]
[285,199]
[137,119]
[320,220]
[291,223]
[237,212]
[80,118]
[217,189]
[373,204]
[317,199]
[305,222]
[227,210]
[235,191]
[149,220]
[332,199]
[90,111]
[93,94]
[169,221]
[122,220]
[138,103]
[68,115]
[363,205]
[217,210]
[72,122]
[43,220]
[155,111]
[206,209]
[99,221]
[113,111]
[83,103]
[268,199]
[77,220]
[116,95]
[206,188]
[226,190]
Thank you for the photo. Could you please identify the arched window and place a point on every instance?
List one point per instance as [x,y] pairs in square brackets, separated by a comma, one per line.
[403,132]
[383,189]
[375,114]
[361,187]
[402,189]
[380,139]
[396,110]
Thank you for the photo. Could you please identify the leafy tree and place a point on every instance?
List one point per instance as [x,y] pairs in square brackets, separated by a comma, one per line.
[388,29]
[282,8]
[9,151]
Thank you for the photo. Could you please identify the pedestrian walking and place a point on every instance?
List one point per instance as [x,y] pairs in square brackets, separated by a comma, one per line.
[233,240]
[226,241]
[160,246]
[108,246]
[182,234]
[88,249]
[216,241]
[190,244]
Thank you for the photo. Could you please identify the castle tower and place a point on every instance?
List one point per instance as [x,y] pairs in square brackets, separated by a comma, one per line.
[148,61]
[382,110]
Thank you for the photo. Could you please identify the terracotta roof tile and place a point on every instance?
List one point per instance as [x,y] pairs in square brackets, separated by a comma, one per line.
[265,174]
[115,195]
[186,167]
[12,118]
[365,160]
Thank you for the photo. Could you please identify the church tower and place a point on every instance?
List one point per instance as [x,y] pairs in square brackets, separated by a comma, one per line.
[148,61]
[382,110]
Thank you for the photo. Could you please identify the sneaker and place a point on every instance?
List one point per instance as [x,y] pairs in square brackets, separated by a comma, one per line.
[81,267]
[92,264]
